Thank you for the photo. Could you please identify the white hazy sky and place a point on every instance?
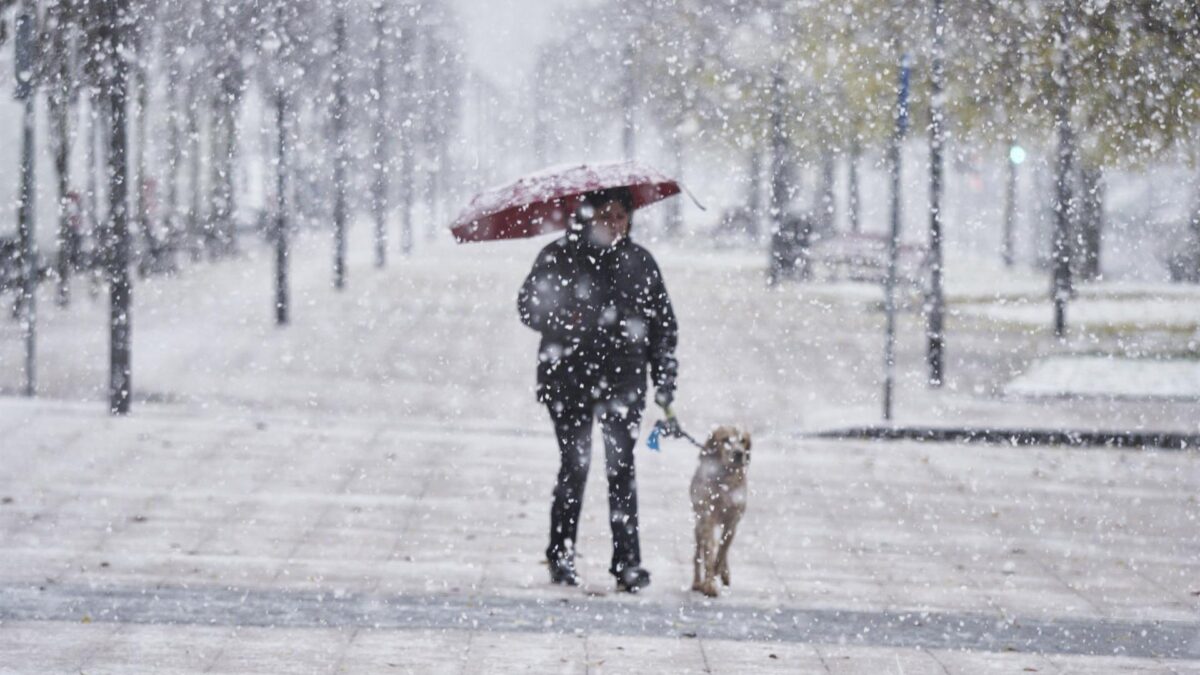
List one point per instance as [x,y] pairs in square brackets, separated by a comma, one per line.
[502,35]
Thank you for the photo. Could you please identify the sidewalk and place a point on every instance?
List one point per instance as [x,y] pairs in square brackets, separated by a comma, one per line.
[172,542]
[367,491]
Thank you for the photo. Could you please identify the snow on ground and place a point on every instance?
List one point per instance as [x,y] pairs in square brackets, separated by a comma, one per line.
[435,338]
[1109,376]
[332,529]
[1132,314]
[386,447]
[982,290]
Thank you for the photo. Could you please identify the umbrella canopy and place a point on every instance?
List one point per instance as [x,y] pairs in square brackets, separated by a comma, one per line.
[544,201]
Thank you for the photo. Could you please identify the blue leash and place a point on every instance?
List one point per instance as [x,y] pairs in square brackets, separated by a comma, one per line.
[662,428]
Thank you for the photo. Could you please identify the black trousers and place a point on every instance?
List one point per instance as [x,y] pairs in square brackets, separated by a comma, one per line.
[619,418]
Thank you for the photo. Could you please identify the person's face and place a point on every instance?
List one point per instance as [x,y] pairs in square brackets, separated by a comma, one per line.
[611,223]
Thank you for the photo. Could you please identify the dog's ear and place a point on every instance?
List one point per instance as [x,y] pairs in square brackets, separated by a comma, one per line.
[746,440]
[716,441]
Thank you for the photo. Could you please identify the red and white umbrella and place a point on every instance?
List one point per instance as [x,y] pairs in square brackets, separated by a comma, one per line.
[544,201]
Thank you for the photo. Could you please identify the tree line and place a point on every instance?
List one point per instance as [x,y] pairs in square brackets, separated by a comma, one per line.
[792,86]
[157,101]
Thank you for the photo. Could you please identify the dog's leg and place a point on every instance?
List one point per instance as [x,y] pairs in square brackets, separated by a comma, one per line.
[708,554]
[698,562]
[728,530]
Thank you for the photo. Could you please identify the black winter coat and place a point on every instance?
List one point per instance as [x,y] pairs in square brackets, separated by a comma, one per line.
[604,316]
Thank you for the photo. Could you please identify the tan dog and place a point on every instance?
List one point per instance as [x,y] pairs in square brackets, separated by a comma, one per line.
[718,500]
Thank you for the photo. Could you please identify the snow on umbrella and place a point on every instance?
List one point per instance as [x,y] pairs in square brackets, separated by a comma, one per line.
[544,201]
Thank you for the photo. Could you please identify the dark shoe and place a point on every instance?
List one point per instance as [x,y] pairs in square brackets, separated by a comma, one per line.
[632,580]
[562,571]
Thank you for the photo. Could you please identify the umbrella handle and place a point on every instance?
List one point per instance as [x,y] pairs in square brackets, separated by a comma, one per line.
[692,196]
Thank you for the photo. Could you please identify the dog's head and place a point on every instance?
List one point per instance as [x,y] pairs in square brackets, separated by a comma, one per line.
[730,445]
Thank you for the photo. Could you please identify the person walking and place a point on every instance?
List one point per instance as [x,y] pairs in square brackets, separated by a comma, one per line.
[606,321]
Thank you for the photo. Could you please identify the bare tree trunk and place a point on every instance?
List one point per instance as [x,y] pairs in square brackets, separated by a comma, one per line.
[282,295]
[782,254]
[281,235]
[26,40]
[781,180]
[230,158]
[381,148]
[87,121]
[142,185]
[430,177]
[174,148]
[120,323]
[341,109]
[222,230]
[94,140]
[60,138]
[407,147]
[827,210]
[195,217]
[1063,207]
[430,140]
[1195,219]
[437,184]
[854,202]
[174,152]
[1090,223]
[754,189]
[1195,228]
[220,210]
[407,202]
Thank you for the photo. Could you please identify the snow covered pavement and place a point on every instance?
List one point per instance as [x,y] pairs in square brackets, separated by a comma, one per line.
[268,539]
[1106,376]
[367,491]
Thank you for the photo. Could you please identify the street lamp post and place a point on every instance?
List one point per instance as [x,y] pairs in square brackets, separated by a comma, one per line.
[935,309]
[1016,155]
[889,293]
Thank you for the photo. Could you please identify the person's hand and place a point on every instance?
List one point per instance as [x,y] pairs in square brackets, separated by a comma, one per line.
[664,398]
[670,426]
